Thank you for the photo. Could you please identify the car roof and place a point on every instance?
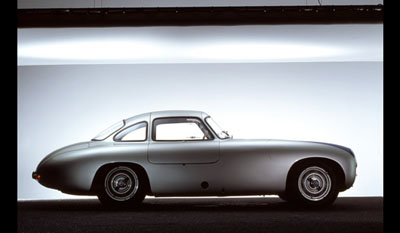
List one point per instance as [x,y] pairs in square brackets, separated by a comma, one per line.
[149,116]
[172,113]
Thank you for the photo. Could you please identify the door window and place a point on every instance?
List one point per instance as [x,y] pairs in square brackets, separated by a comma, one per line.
[180,129]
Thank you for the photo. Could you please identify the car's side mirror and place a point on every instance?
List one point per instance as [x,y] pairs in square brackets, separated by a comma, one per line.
[226,132]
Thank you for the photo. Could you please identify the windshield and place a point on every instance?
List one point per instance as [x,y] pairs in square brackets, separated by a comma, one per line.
[222,134]
[107,132]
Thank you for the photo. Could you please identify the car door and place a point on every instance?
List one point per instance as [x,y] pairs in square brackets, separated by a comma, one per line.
[182,140]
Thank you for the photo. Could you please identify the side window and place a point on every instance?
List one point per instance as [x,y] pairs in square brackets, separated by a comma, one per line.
[180,129]
[134,133]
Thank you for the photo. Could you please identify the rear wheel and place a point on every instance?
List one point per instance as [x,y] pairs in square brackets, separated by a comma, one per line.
[122,185]
[313,183]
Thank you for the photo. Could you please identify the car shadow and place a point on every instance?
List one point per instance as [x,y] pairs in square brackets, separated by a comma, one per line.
[198,205]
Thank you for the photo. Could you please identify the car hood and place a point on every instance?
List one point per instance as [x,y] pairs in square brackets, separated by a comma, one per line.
[288,143]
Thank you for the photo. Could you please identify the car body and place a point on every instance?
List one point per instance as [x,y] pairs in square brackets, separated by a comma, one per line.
[164,154]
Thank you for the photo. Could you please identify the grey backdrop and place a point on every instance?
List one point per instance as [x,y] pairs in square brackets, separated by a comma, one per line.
[201,44]
[337,102]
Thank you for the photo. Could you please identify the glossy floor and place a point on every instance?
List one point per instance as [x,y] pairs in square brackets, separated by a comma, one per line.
[348,214]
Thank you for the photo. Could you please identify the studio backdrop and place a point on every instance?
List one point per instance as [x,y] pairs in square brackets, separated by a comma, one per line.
[331,91]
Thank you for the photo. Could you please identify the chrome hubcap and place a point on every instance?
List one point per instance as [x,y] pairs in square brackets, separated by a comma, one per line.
[121,183]
[314,183]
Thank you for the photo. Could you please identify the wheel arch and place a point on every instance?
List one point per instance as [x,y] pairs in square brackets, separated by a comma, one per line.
[102,171]
[337,169]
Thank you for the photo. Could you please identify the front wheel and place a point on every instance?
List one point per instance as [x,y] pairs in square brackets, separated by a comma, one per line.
[313,184]
[122,186]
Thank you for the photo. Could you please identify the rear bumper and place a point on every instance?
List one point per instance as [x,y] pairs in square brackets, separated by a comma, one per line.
[35,176]
[54,181]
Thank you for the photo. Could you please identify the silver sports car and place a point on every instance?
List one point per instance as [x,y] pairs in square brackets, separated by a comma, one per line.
[186,153]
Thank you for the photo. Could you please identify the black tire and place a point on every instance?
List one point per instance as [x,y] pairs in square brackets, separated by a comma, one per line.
[122,186]
[283,196]
[313,183]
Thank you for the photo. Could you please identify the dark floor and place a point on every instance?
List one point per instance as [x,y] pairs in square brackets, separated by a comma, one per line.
[347,214]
